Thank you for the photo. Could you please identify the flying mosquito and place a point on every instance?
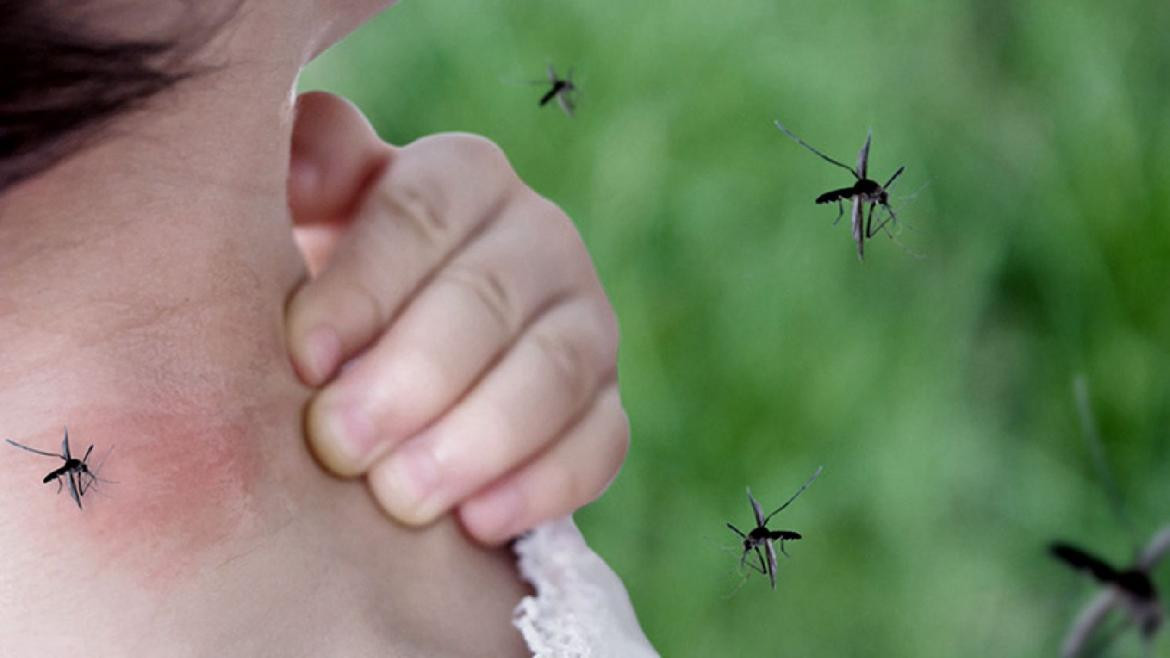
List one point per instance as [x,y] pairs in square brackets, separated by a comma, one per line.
[562,90]
[74,471]
[1131,587]
[762,536]
[862,191]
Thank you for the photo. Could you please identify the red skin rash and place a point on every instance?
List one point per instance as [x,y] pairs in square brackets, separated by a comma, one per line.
[177,485]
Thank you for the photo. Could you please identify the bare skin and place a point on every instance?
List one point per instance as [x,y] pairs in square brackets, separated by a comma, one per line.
[142,304]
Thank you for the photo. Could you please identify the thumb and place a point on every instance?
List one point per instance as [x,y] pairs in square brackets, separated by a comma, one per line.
[335,155]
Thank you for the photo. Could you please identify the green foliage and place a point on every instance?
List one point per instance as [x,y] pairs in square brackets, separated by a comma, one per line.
[937,391]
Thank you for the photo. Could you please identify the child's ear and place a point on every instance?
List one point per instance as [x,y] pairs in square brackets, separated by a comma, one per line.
[335,155]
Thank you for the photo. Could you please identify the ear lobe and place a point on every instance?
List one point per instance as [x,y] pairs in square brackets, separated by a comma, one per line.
[335,155]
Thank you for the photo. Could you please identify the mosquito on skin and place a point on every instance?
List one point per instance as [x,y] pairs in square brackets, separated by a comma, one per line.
[862,191]
[73,472]
[762,536]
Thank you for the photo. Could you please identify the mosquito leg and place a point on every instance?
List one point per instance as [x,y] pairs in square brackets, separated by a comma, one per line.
[763,565]
[753,566]
[809,147]
[59,484]
[893,178]
[799,491]
[39,452]
[743,562]
[869,221]
[73,488]
[892,218]
[781,542]
[840,212]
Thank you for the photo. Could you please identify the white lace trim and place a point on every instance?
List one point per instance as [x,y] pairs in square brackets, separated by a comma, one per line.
[581,609]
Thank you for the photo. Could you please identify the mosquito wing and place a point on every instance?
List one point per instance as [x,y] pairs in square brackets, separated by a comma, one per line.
[759,513]
[565,102]
[1155,550]
[65,446]
[863,157]
[771,550]
[71,476]
[1088,620]
[858,229]
[39,452]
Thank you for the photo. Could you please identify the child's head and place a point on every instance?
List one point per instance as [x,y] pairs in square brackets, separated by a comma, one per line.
[74,67]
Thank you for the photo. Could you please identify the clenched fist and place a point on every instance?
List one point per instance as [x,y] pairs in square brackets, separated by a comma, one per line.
[480,349]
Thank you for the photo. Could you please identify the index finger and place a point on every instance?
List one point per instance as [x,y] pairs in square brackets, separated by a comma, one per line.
[433,197]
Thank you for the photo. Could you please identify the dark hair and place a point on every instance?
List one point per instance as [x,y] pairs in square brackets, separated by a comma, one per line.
[60,83]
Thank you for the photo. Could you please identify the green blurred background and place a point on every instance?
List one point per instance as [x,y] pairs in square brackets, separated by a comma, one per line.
[933,381]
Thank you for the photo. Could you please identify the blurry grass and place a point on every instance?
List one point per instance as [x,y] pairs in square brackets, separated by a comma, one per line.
[936,391]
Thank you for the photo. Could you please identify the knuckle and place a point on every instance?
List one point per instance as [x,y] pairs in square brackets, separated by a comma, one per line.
[571,490]
[489,286]
[619,437]
[608,330]
[478,150]
[377,309]
[360,303]
[615,444]
[418,204]
[558,233]
[569,360]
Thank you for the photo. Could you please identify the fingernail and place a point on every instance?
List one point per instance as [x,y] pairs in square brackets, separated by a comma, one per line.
[407,481]
[345,432]
[322,350]
[493,516]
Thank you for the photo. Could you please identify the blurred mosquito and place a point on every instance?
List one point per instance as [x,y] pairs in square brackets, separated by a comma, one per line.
[762,536]
[863,191]
[74,472]
[562,90]
[1131,587]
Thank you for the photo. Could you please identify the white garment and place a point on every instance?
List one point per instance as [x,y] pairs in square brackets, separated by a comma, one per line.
[581,609]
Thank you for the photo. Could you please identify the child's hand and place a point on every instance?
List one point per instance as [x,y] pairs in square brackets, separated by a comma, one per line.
[481,348]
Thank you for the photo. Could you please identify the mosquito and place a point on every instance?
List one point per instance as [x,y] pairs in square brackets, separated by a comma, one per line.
[762,536]
[561,90]
[863,191]
[1130,587]
[74,471]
